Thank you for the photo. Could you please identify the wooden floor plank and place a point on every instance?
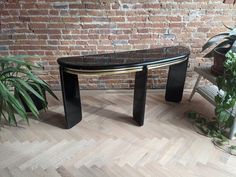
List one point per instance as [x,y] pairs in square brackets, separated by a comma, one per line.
[107,142]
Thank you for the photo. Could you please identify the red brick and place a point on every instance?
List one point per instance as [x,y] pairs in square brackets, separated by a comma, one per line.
[86,19]
[39,19]
[56,25]
[12,6]
[76,6]
[47,31]
[28,6]
[38,12]
[37,25]
[137,19]
[117,19]
[53,12]
[152,6]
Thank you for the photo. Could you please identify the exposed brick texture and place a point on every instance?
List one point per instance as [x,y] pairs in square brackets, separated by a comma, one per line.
[53,28]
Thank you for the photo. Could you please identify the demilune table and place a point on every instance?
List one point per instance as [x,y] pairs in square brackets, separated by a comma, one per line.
[139,61]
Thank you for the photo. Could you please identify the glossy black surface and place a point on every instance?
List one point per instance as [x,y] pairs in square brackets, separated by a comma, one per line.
[174,87]
[175,82]
[71,98]
[125,59]
[140,89]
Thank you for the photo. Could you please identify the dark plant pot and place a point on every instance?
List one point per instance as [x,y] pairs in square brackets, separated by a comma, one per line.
[219,59]
[37,102]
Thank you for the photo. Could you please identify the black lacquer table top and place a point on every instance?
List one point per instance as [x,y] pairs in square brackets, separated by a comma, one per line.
[125,59]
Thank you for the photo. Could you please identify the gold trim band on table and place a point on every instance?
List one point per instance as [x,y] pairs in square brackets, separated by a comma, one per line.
[159,65]
[104,72]
[120,70]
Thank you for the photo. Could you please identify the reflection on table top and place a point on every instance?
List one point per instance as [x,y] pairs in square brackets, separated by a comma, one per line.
[125,59]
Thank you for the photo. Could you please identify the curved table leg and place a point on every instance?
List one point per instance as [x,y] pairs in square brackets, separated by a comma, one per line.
[175,82]
[71,98]
[140,96]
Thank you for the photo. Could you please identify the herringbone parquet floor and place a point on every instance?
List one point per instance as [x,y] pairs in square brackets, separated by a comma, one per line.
[107,143]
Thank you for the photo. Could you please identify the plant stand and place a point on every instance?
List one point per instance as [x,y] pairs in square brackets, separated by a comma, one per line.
[210,91]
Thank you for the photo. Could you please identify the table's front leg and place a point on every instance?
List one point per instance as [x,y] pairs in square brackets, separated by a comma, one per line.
[71,98]
[140,96]
[175,82]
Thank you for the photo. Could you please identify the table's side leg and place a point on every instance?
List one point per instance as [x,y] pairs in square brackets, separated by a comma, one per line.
[175,82]
[71,98]
[140,96]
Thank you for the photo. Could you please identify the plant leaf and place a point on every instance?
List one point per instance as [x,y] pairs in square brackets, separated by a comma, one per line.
[9,99]
[211,53]
[29,102]
[214,40]
[30,89]
[227,27]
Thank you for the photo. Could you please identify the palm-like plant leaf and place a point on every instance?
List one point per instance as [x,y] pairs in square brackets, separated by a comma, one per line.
[214,40]
[227,27]
[29,88]
[222,44]
[28,101]
[9,103]
[220,40]
[17,82]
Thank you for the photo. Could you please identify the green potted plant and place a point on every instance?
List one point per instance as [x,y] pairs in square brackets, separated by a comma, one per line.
[225,103]
[20,89]
[222,43]
[223,126]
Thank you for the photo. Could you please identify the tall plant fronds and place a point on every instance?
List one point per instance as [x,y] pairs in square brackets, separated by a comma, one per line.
[17,82]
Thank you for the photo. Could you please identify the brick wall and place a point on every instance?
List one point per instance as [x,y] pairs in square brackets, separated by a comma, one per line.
[53,29]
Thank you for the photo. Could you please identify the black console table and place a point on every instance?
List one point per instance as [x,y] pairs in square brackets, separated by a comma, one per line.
[139,61]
